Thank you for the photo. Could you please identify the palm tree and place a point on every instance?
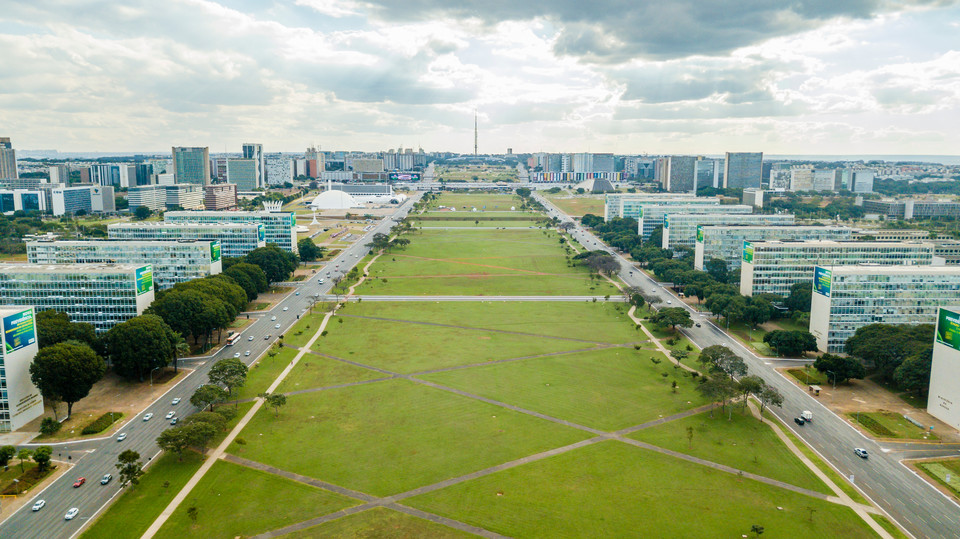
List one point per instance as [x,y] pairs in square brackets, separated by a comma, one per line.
[180,349]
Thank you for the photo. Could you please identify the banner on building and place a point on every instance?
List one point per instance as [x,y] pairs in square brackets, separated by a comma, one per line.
[948,328]
[144,279]
[215,250]
[19,331]
[748,252]
[699,233]
[822,280]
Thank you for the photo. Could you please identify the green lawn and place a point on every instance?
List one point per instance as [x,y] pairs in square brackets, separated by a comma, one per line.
[317,371]
[485,214]
[492,201]
[610,489]
[753,337]
[139,506]
[381,523]
[891,425]
[234,501]
[940,469]
[889,526]
[393,436]
[305,328]
[605,389]
[262,373]
[808,376]
[577,206]
[742,443]
[471,222]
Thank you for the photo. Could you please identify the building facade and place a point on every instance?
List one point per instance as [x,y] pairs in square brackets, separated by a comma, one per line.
[151,196]
[846,298]
[243,174]
[651,215]
[20,400]
[743,170]
[8,160]
[280,227]
[236,239]
[191,165]
[183,196]
[772,267]
[680,229]
[100,294]
[943,401]
[677,173]
[88,198]
[220,196]
[173,261]
[254,151]
[726,241]
[22,199]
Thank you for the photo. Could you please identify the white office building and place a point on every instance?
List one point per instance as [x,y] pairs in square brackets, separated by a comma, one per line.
[943,401]
[280,227]
[654,214]
[236,239]
[173,261]
[20,400]
[846,298]
[151,196]
[726,241]
[680,229]
[88,198]
[23,199]
[627,205]
[772,267]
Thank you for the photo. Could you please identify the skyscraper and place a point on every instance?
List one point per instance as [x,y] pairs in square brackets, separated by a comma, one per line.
[243,173]
[255,152]
[192,165]
[743,170]
[8,160]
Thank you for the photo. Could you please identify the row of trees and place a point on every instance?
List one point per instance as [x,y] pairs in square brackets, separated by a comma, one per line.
[728,379]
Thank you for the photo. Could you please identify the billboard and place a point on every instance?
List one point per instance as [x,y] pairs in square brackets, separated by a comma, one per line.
[822,278]
[948,328]
[18,331]
[144,279]
[699,233]
[215,250]
[666,222]
[640,215]
[293,219]
[261,232]
[748,252]
[404,176]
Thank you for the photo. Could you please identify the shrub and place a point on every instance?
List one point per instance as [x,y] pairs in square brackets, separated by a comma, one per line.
[101,423]
[49,426]
[875,427]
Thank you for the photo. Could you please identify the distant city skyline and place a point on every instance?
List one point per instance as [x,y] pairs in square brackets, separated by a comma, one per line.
[865,78]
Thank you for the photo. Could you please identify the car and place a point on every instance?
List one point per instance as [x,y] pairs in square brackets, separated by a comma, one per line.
[277,326]
[174,420]
[122,437]
[298,293]
[146,417]
[71,513]
[79,482]
[237,355]
[39,505]
[247,353]
[799,421]
[698,324]
[250,338]
[861,452]
[170,415]
[106,479]
[175,401]
[273,318]
[285,309]
[266,337]
[669,302]
[321,280]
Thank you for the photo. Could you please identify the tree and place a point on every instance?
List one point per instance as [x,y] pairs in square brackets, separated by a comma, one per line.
[66,370]
[380,241]
[842,368]
[799,298]
[141,212]
[637,300]
[886,346]
[6,453]
[200,434]
[913,374]
[276,263]
[23,455]
[769,396]
[672,317]
[55,327]
[523,192]
[175,440]
[230,373]
[42,456]
[719,388]
[208,395]
[309,251]
[275,401]
[254,272]
[750,385]
[791,343]
[49,426]
[140,345]
[717,268]
[757,311]
[712,356]
[214,419]
[130,467]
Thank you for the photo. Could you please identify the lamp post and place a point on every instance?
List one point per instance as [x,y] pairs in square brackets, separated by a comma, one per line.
[834,379]
[151,375]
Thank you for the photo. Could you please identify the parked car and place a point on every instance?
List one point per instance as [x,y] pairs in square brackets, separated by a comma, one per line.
[170,415]
[71,513]
[298,293]
[146,417]
[79,482]
[698,324]
[266,337]
[106,479]
[175,401]
[39,505]
[122,437]
[861,452]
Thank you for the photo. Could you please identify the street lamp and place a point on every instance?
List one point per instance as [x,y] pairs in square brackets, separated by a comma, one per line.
[151,375]
[834,378]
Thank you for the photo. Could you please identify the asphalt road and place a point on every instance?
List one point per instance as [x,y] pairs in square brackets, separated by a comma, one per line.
[916,505]
[93,458]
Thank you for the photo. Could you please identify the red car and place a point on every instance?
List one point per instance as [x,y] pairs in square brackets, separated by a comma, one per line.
[79,482]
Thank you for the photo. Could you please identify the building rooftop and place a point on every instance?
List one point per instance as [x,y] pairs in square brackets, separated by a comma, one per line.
[111,241]
[838,243]
[880,269]
[69,268]
[180,225]
[230,213]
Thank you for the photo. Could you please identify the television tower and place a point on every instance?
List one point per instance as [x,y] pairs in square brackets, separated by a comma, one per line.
[474,131]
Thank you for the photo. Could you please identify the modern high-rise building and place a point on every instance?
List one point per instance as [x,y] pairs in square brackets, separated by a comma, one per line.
[677,173]
[220,196]
[780,179]
[192,165]
[20,400]
[651,215]
[680,229]
[726,241]
[100,294]
[23,199]
[183,196]
[86,198]
[772,267]
[943,401]
[752,197]
[743,170]
[153,197]
[236,239]
[255,151]
[242,173]
[59,173]
[801,178]
[627,205]
[710,172]
[280,169]
[173,261]
[280,227]
[8,160]
[315,162]
[846,298]
[826,179]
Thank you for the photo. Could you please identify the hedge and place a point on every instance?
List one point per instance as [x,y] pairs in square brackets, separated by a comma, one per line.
[101,423]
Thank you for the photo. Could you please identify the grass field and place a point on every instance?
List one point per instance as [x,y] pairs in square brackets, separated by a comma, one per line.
[393,436]
[891,425]
[381,523]
[265,500]
[316,371]
[610,489]
[477,223]
[741,442]
[940,469]
[605,389]
[808,376]
[306,327]
[262,373]
[577,206]
[483,201]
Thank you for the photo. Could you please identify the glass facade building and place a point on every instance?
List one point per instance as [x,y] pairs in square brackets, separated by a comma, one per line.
[280,227]
[726,241]
[173,261]
[772,267]
[236,239]
[629,204]
[680,227]
[846,298]
[100,294]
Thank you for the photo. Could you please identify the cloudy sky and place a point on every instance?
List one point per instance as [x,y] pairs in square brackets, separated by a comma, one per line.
[637,76]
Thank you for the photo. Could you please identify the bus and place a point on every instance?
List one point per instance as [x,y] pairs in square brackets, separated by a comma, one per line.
[233,339]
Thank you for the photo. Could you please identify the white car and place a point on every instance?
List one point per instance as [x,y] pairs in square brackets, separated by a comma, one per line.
[273,318]
[122,437]
[250,338]
[39,505]
[298,293]
[669,302]
[175,401]
[146,417]
[277,326]
[285,309]
[247,353]
[321,281]
[170,415]
[71,513]
[237,355]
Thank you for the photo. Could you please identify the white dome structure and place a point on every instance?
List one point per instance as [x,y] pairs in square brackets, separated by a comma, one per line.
[334,200]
